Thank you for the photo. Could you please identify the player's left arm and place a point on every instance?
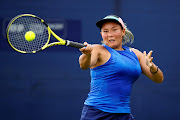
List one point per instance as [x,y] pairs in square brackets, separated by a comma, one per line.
[149,69]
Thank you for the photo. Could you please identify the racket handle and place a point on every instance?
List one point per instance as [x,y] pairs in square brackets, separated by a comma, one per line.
[74,44]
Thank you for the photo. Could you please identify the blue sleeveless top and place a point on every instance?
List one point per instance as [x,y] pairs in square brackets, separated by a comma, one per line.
[111,82]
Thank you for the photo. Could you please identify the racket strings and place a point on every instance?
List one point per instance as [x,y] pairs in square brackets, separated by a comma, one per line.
[18,29]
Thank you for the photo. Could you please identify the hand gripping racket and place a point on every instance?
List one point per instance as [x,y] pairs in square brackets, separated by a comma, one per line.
[21,24]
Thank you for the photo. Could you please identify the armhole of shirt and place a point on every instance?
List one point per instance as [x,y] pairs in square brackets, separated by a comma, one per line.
[109,60]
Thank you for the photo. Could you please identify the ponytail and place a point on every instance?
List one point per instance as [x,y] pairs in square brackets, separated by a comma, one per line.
[128,37]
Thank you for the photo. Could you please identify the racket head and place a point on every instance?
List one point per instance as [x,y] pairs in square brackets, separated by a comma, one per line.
[23,23]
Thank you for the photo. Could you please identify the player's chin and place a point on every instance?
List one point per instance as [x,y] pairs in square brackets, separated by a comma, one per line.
[113,45]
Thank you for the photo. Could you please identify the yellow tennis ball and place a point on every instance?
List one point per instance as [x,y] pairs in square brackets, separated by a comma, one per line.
[30,36]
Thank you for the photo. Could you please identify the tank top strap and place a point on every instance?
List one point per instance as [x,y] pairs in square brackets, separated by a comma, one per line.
[130,51]
[108,48]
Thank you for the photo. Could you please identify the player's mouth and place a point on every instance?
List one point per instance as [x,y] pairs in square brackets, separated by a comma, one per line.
[111,40]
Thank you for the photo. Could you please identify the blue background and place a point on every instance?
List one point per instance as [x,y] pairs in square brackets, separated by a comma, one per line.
[50,85]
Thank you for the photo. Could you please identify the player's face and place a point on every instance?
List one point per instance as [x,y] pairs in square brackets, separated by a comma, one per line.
[112,34]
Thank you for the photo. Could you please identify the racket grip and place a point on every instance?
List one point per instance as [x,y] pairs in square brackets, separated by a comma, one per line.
[74,44]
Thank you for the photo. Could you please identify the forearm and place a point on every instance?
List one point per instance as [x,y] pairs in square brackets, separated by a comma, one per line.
[85,61]
[157,74]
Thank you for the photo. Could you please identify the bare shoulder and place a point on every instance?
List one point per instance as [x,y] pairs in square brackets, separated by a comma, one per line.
[137,52]
[98,48]
[101,50]
[101,55]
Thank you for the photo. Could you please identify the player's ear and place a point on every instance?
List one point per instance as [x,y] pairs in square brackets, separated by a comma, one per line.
[101,33]
[123,31]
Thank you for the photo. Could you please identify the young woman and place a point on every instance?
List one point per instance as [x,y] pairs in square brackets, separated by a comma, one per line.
[114,68]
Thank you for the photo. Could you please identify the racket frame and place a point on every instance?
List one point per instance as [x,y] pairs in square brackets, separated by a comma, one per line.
[61,41]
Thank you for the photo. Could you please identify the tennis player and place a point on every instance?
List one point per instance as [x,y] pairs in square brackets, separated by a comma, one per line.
[114,68]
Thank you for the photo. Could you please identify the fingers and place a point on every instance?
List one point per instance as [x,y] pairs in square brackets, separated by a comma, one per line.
[82,49]
[148,58]
[87,49]
[144,53]
[149,54]
[151,59]
[150,62]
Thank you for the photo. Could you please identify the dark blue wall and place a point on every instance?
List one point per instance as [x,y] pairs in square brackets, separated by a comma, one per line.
[50,85]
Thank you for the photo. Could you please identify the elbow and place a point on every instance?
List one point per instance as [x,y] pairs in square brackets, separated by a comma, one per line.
[160,80]
[84,67]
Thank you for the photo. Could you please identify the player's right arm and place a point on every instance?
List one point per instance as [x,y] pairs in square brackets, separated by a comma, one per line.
[89,56]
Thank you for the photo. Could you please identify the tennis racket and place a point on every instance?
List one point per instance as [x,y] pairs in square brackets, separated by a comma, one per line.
[21,24]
